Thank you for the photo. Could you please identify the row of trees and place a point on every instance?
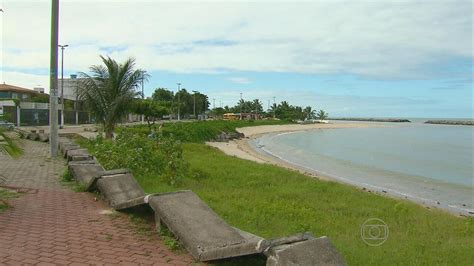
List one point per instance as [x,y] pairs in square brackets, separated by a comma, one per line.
[188,104]
[165,102]
[282,110]
[110,92]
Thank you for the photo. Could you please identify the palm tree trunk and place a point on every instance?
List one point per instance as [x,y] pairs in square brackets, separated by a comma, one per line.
[109,131]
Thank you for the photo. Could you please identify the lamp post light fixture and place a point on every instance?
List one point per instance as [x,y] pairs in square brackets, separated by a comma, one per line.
[179,88]
[62,83]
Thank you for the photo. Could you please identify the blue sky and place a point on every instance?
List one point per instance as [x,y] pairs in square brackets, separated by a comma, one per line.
[351,58]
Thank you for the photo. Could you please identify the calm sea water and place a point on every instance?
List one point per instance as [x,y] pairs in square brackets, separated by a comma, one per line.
[428,163]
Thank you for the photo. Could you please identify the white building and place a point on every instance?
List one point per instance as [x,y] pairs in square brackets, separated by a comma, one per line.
[69,87]
[39,89]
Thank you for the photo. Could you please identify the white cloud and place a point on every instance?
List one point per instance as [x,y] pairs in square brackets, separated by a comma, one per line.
[381,39]
[240,80]
[28,81]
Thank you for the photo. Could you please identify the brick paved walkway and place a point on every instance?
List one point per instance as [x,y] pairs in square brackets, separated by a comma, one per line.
[58,226]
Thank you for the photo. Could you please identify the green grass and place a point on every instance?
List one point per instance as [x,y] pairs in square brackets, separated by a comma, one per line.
[201,131]
[272,202]
[67,180]
[5,195]
[8,144]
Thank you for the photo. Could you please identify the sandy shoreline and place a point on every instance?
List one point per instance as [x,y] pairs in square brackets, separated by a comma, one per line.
[242,148]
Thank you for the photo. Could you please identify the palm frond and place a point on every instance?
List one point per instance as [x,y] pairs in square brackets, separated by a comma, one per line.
[8,146]
[110,89]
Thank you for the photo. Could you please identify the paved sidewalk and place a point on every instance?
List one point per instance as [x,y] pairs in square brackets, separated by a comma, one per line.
[54,225]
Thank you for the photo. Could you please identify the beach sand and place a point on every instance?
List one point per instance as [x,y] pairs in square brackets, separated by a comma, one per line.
[241,148]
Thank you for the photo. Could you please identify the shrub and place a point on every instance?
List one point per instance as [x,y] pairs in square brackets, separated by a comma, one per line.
[161,157]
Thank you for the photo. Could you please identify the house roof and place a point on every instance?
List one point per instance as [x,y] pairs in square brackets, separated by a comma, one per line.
[8,87]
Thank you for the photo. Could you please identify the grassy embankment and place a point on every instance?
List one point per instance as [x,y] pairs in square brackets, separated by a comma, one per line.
[271,202]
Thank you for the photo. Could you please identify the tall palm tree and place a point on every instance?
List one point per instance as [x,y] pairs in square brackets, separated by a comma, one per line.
[109,90]
[257,106]
[309,112]
[322,115]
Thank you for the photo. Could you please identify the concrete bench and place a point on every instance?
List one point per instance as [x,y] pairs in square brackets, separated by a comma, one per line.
[120,189]
[313,251]
[32,136]
[86,172]
[62,141]
[203,233]
[65,147]
[78,155]
[43,137]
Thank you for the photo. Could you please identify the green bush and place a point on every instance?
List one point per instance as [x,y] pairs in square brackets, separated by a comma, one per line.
[199,131]
[160,157]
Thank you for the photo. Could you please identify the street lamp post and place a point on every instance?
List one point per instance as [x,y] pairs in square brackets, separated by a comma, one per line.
[179,88]
[274,107]
[62,83]
[143,97]
[194,104]
[241,105]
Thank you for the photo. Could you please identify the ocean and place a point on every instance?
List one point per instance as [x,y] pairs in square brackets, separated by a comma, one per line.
[431,164]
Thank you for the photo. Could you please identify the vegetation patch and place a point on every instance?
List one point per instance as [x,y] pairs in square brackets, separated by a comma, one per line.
[68,180]
[5,195]
[8,145]
[159,156]
[169,239]
[200,131]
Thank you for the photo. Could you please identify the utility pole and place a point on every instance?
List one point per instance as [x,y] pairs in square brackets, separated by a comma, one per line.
[214,103]
[1,51]
[53,80]
[179,88]
[62,84]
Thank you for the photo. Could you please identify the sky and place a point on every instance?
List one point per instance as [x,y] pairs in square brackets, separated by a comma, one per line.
[350,58]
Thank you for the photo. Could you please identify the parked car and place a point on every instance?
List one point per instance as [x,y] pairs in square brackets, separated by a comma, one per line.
[6,125]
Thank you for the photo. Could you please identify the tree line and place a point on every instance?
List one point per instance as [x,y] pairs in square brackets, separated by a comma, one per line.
[283,110]
[110,92]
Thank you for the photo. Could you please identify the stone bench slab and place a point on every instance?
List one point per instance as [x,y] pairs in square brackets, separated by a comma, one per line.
[317,251]
[86,173]
[78,155]
[64,148]
[120,189]
[203,233]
